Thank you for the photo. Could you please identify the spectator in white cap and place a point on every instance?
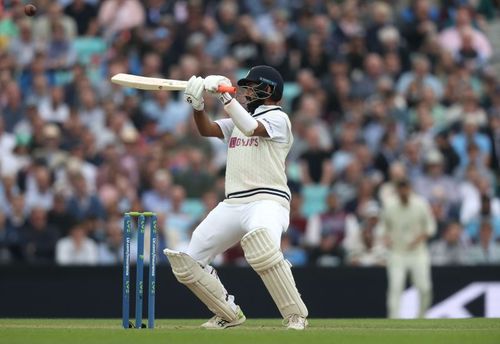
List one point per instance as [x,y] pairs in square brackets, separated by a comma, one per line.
[434,183]
[364,243]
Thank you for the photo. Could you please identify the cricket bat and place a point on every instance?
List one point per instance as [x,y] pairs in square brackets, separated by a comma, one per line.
[157,84]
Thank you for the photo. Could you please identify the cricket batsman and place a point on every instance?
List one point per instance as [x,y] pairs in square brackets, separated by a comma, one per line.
[256,209]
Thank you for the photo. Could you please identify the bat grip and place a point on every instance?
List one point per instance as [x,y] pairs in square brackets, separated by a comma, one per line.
[228,89]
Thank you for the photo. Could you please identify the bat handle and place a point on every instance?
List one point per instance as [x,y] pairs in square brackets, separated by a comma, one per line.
[228,89]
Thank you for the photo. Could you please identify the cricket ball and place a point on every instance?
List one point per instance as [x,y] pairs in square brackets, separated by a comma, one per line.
[30,10]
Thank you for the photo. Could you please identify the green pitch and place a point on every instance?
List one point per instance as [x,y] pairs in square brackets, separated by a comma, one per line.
[353,331]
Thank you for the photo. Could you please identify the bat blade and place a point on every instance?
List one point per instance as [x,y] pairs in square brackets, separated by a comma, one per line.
[147,83]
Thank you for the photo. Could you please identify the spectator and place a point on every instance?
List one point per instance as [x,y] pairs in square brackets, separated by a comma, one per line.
[38,238]
[315,166]
[388,153]
[452,38]
[178,224]
[407,224]
[54,109]
[470,133]
[58,216]
[486,250]
[364,243]
[50,146]
[274,54]
[347,185]
[412,84]
[344,153]
[365,84]
[195,178]
[11,106]
[450,248]
[7,140]
[493,132]
[315,57]
[60,51]
[83,13]
[111,251]
[83,204]
[294,254]
[39,92]
[481,206]
[327,230]
[381,16]
[298,222]
[412,159]
[158,199]
[450,156]
[217,42]
[90,113]
[119,15]
[245,43]
[467,109]
[76,248]
[24,47]
[418,23]
[171,115]
[42,25]
[40,193]
[10,249]
[17,211]
[434,183]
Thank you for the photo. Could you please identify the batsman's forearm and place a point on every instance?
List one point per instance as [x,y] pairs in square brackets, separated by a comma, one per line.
[241,118]
[206,127]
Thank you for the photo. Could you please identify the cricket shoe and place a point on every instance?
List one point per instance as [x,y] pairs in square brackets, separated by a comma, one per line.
[218,323]
[295,322]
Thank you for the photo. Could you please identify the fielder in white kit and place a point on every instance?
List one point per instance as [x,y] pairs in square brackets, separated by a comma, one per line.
[256,209]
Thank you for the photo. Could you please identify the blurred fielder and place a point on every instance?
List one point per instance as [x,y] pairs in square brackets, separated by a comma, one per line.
[408,223]
[256,208]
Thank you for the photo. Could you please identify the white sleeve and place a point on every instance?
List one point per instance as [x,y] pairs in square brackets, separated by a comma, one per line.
[276,127]
[63,252]
[227,126]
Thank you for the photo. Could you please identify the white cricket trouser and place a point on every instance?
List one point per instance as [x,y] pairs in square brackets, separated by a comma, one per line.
[398,266]
[227,223]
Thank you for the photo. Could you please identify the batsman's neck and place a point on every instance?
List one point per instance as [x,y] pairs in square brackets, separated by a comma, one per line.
[271,102]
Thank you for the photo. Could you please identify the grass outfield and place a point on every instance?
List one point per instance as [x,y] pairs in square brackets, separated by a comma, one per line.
[352,331]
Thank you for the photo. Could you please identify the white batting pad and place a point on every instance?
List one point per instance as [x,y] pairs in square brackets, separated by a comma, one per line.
[206,286]
[268,261]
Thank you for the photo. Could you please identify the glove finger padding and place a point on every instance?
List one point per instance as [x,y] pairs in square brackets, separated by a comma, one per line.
[194,93]
[212,82]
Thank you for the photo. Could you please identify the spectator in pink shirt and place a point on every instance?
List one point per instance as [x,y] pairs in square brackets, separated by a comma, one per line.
[119,15]
[451,38]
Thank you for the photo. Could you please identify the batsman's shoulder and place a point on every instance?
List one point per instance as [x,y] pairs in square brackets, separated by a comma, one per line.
[276,113]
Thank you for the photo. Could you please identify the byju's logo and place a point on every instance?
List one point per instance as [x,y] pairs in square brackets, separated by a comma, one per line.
[239,142]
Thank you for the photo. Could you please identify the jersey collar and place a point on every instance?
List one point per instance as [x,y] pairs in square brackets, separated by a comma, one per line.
[265,108]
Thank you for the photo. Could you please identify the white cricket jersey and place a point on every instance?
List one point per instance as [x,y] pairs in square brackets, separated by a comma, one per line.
[403,223]
[255,167]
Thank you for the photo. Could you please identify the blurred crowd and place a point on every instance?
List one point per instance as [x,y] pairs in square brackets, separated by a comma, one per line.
[376,91]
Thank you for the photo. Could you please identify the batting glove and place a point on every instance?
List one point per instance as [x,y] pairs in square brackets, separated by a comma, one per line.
[194,93]
[212,83]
